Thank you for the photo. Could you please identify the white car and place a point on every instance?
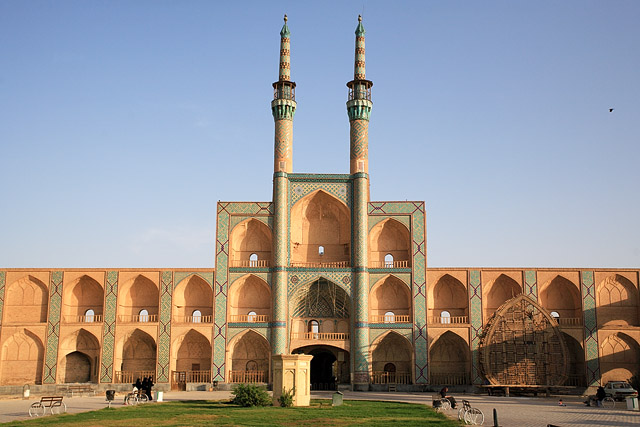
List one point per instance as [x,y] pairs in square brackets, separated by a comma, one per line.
[619,390]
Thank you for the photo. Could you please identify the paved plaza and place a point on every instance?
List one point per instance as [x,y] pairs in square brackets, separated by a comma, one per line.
[512,411]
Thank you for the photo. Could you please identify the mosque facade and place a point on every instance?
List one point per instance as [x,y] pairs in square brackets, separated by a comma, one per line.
[322,270]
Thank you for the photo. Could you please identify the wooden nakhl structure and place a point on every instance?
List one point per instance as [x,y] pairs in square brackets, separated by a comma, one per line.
[521,345]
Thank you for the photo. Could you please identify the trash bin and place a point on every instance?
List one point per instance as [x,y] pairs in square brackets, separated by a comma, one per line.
[337,399]
[159,396]
[111,394]
[632,403]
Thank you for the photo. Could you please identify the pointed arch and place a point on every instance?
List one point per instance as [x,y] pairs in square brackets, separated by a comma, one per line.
[390,294]
[320,219]
[26,301]
[501,290]
[137,294]
[448,295]
[249,294]
[320,298]
[522,344]
[84,294]
[619,357]
[138,356]
[617,302]
[389,237]
[250,237]
[562,296]
[391,348]
[78,357]
[249,356]
[190,295]
[192,354]
[576,374]
[22,359]
[450,360]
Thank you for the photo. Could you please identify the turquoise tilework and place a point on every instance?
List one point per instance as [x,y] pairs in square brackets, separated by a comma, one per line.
[237,219]
[3,279]
[339,190]
[225,211]
[238,328]
[298,279]
[179,276]
[377,277]
[236,273]
[109,327]
[164,327]
[402,219]
[406,332]
[475,311]
[590,327]
[531,284]
[53,328]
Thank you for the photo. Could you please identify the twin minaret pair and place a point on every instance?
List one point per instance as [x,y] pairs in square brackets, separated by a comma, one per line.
[359,106]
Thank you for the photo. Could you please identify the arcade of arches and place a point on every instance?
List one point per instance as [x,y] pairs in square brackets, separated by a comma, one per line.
[320,269]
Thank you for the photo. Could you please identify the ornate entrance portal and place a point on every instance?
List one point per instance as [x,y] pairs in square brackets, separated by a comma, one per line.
[329,366]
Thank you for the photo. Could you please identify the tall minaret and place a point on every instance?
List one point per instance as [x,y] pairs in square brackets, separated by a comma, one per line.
[283,108]
[359,108]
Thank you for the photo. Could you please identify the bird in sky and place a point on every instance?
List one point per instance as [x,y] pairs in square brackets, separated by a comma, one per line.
[611,110]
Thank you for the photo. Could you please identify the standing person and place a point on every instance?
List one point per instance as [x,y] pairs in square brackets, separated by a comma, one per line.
[145,384]
[149,387]
[600,395]
[444,395]
[138,385]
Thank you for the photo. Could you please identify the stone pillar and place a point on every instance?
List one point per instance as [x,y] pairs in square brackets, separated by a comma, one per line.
[292,372]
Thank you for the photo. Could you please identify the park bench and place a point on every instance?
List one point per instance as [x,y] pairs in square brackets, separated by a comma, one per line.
[80,390]
[53,403]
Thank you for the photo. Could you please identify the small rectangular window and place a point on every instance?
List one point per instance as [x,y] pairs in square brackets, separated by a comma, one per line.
[360,166]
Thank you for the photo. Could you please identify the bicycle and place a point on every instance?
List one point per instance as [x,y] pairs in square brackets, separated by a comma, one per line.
[470,415]
[441,403]
[136,397]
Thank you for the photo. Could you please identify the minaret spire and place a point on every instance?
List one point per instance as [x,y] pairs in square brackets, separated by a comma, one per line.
[283,106]
[359,107]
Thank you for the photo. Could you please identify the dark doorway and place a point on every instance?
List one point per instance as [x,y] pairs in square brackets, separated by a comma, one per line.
[78,368]
[323,370]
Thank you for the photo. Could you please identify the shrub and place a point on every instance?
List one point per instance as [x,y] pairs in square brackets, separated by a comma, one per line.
[250,395]
[286,398]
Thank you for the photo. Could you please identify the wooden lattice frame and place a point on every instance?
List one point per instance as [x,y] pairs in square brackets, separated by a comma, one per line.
[522,345]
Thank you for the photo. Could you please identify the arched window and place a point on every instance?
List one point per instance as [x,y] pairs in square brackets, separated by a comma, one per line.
[89,316]
[314,329]
[389,317]
[251,317]
[320,250]
[253,260]
[389,367]
[445,317]
[388,261]
[196,316]
[143,316]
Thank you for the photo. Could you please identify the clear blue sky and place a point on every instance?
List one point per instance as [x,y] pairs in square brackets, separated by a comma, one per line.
[122,123]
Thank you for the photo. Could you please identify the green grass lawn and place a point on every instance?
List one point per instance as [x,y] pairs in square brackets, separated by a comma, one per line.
[201,413]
